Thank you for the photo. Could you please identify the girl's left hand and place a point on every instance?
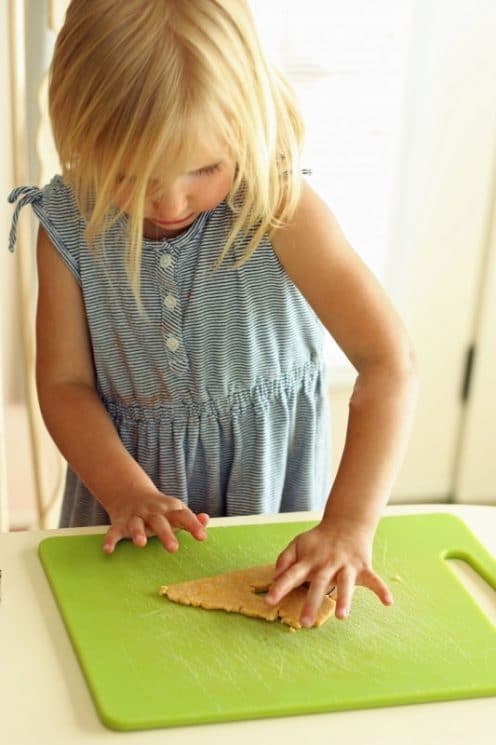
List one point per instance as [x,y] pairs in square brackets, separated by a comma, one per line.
[330,554]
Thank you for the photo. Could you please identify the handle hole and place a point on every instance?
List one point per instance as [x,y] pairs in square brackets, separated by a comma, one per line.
[475,584]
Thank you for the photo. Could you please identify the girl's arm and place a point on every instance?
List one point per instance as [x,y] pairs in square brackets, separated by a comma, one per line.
[354,308]
[78,422]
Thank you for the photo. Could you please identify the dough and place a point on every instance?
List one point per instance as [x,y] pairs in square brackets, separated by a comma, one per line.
[242,592]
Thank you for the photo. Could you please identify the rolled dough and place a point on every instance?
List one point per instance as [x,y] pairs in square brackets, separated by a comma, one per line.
[242,592]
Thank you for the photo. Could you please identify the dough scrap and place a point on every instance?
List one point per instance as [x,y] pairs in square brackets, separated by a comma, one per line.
[241,592]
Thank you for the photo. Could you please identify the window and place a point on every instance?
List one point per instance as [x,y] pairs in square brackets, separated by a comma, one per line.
[348,65]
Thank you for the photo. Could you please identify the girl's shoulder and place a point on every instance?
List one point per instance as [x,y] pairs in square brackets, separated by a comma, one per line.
[56,208]
[58,198]
[54,200]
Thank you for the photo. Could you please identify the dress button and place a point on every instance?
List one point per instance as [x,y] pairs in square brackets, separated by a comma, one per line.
[170,301]
[166,261]
[172,343]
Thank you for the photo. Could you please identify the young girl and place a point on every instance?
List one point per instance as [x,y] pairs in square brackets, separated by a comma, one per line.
[186,272]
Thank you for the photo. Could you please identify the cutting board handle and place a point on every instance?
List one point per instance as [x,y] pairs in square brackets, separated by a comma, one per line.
[485,568]
[477,580]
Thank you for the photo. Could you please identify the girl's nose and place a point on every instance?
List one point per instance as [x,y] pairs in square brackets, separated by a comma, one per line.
[171,207]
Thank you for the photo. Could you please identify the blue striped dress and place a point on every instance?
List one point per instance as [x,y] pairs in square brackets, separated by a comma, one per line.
[218,391]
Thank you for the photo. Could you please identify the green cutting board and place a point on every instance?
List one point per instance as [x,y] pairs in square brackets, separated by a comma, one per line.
[152,663]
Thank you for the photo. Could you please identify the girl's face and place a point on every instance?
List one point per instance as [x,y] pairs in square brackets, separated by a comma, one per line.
[170,210]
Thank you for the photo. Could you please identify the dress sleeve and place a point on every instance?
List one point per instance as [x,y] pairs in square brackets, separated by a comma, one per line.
[56,209]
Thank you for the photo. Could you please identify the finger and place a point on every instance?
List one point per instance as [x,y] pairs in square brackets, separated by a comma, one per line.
[136,527]
[345,584]
[292,577]
[203,518]
[112,537]
[187,520]
[285,559]
[164,532]
[370,579]
[315,595]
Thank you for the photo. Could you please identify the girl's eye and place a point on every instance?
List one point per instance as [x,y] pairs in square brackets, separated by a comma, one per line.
[210,169]
[121,178]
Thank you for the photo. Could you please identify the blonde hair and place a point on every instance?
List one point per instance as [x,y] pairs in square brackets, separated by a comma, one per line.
[130,81]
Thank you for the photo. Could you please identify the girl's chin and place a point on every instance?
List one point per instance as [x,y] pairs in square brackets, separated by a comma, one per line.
[153,230]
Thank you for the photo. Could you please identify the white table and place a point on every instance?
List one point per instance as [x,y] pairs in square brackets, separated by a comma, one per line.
[44,698]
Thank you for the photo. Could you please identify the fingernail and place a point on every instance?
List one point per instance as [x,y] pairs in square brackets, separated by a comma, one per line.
[306,621]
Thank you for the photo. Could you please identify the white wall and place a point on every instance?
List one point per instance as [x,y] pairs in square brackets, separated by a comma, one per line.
[8,287]
[476,468]
[20,481]
[441,249]
[442,222]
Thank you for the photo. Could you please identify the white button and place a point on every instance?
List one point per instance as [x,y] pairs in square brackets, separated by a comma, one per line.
[172,343]
[165,261]
[170,301]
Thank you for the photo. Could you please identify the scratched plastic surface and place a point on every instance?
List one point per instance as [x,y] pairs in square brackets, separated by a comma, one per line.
[152,663]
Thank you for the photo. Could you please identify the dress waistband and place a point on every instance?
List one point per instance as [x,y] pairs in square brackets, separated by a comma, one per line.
[260,395]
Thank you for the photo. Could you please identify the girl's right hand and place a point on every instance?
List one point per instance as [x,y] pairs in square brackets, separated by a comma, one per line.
[153,514]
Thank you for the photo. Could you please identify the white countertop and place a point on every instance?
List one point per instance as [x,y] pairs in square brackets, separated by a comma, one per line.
[44,698]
